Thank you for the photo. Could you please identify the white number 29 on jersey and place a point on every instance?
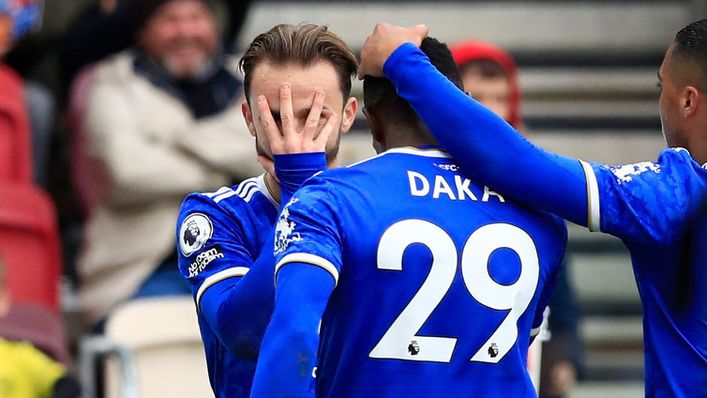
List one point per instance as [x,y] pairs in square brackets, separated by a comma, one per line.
[396,342]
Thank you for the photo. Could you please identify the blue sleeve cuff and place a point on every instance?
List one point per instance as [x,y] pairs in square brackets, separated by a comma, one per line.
[293,170]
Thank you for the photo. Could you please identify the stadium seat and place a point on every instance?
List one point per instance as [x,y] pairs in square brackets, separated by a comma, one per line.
[155,351]
[15,153]
[29,245]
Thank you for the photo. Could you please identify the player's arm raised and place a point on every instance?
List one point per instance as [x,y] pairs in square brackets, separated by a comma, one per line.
[488,149]
[289,350]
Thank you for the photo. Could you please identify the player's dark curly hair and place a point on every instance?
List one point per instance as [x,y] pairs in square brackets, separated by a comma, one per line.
[691,44]
[379,94]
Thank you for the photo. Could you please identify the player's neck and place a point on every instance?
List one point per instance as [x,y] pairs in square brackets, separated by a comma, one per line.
[411,137]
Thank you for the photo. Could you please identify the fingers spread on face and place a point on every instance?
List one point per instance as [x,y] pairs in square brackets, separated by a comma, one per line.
[320,141]
[267,126]
[315,113]
[287,116]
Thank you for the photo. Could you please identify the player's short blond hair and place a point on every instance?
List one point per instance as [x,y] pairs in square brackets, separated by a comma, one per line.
[304,45]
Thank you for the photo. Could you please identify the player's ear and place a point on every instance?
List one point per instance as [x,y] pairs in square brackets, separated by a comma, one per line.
[248,116]
[349,115]
[690,101]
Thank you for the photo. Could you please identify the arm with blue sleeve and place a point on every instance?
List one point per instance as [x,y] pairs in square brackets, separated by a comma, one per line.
[294,169]
[238,309]
[308,255]
[487,148]
[289,351]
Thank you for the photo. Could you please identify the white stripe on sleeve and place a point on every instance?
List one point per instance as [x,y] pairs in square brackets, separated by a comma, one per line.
[218,277]
[309,259]
[593,209]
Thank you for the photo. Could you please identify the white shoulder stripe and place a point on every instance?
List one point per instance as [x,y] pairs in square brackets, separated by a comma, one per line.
[248,189]
[218,277]
[217,193]
[224,196]
[309,259]
[249,195]
[245,185]
[593,209]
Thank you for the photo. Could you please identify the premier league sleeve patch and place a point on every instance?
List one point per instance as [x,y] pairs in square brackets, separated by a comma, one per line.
[195,231]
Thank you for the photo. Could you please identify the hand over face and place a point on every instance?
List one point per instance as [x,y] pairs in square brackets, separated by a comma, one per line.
[312,137]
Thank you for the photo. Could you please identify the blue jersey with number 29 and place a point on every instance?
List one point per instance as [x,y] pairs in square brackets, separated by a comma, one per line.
[440,283]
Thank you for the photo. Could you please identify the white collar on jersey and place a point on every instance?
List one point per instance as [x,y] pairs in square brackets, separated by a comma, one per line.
[409,150]
[265,190]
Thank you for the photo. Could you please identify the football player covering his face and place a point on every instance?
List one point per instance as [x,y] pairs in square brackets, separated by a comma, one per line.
[389,275]
[282,97]
[297,81]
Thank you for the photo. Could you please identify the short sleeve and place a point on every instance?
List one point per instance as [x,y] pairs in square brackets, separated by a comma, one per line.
[307,229]
[644,202]
[211,244]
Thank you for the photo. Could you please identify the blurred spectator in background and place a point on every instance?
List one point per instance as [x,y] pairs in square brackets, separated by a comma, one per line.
[163,120]
[25,371]
[106,27]
[490,75]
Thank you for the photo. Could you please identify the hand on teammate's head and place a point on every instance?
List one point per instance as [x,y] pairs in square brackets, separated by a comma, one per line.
[383,42]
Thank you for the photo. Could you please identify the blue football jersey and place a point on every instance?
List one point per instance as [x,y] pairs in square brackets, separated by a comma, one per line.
[659,211]
[220,234]
[440,282]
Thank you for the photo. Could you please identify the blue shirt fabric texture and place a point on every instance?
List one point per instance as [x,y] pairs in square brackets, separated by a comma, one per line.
[657,208]
[440,282]
[225,240]
[229,228]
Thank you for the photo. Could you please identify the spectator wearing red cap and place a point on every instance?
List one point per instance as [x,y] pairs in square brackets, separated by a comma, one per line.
[490,75]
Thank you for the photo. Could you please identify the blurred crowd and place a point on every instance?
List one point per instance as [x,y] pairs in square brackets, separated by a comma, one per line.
[134,105]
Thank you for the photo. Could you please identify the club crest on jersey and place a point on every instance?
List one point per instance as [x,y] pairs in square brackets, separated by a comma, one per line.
[285,229]
[195,231]
[626,172]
